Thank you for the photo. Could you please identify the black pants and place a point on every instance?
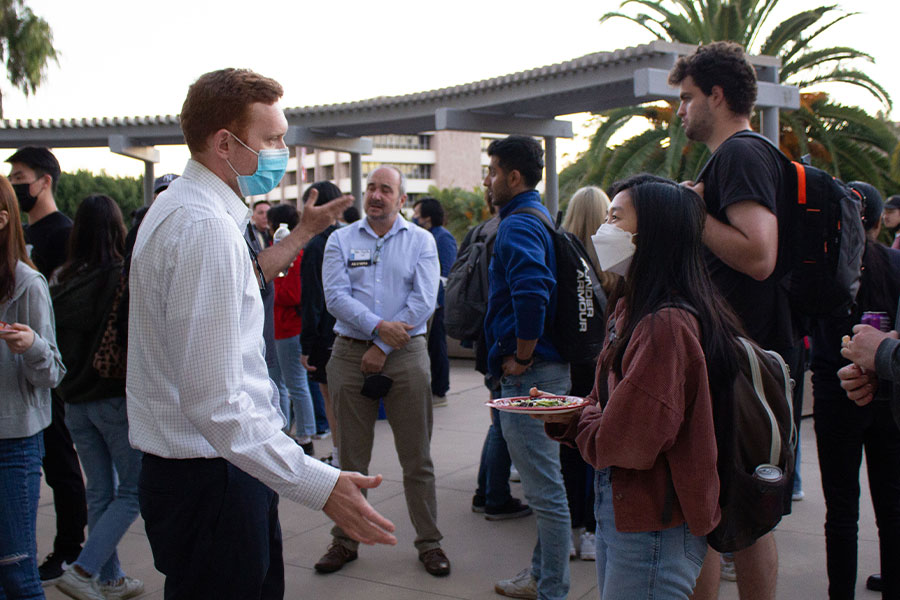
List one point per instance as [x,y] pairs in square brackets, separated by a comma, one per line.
[213,530]
[578,476]
[437,354]
[63,473]
[842,431]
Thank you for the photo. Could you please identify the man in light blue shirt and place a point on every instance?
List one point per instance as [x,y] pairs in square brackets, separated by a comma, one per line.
[381,276]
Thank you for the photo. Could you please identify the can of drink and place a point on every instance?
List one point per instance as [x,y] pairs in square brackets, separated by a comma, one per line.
[768,473]
[878,320]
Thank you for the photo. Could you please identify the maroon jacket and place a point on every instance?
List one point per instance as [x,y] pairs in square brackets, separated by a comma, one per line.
[658,420]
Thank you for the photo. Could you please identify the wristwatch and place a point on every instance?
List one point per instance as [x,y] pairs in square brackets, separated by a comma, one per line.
[523,361]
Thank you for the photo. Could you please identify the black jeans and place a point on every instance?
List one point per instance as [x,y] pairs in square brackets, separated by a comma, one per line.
[437,354]
[213,530]
[63,473]
[842,431]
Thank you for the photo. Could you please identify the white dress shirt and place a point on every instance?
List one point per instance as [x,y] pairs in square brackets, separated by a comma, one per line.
[367,278]
[197,383]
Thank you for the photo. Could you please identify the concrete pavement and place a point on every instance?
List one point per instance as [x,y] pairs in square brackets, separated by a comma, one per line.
[480,551]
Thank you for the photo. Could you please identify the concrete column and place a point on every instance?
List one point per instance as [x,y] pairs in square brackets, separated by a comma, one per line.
[356,179]
[769,124]
[148,182]
[551,178]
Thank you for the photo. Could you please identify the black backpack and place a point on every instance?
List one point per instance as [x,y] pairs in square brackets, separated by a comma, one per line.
[578,328]
[760,431]
[827,240]
[466,291]
[754,428]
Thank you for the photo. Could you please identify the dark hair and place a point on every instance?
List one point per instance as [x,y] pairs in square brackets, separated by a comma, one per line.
[283,213]
[872,204]
[668,269]
[98,236]
[351,215]
[38,159]
[431,208]
[12,241]
[258,202]
[520,153]
[327,192]
[724,64]
[221,100]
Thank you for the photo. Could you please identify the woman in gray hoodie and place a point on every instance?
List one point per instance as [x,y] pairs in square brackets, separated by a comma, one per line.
[30,365]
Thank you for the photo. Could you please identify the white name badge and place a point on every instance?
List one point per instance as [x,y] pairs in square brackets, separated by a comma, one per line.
[360,258]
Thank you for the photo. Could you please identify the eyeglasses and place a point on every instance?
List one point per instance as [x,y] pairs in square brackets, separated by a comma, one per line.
[379,244]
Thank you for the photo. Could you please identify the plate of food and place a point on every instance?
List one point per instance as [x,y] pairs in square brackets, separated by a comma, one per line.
[6,327]
[545,405]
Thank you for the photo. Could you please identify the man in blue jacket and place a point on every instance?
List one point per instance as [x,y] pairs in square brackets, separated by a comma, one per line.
[520,353]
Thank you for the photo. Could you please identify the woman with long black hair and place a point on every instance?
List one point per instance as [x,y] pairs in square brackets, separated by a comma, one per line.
[649,430]
[83,291]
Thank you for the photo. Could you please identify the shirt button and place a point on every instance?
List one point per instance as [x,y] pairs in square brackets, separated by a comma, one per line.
[618,496]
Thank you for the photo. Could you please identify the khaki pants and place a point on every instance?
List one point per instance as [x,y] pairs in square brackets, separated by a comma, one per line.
[408,408]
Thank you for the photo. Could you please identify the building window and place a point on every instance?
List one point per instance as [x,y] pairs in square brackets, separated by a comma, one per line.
[291,178]
[310,175]
[329,172]
[411,171]
[402,142]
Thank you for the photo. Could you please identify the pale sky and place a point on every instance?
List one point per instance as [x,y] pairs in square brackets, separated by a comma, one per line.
[130,58]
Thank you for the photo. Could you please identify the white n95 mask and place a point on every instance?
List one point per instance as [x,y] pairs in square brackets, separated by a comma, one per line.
[614,247]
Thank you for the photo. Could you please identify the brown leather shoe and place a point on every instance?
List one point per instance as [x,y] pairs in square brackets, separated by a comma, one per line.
[335,558]
[436,562]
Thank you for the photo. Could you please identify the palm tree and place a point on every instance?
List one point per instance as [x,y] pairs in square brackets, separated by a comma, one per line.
[26,46]
[843,140]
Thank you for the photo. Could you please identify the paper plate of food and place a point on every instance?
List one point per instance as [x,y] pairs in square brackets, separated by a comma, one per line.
[545,405]
[6,327]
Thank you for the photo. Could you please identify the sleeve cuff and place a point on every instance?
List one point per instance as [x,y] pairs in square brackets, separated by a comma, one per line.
[37,352]
[883,355]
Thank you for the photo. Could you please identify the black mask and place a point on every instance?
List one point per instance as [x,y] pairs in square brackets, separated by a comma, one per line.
[26,200]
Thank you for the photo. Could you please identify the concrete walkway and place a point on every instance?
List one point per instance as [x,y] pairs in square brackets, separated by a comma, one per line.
[481,551]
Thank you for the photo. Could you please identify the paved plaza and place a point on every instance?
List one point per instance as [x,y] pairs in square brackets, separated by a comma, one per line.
[481,551]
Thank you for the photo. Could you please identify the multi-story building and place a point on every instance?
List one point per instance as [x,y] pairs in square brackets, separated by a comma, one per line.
[444,159]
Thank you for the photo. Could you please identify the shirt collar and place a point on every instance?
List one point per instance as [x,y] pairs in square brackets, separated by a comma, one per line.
[399,223]
[518,200]
[232,203]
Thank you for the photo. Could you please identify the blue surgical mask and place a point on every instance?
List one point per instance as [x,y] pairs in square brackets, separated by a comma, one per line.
[270,167]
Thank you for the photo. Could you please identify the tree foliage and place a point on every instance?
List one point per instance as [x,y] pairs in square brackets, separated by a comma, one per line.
[75,187]
[462,209]
[26,46]
[843,140]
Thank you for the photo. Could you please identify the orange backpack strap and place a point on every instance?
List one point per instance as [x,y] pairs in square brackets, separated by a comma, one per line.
[801,182]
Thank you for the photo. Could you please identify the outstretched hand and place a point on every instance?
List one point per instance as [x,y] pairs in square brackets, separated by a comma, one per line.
[317,218]
[350,510]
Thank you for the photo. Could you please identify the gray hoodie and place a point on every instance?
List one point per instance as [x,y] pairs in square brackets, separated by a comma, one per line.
[26,379]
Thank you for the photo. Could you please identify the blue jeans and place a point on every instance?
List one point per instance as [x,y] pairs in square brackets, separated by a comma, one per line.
[113,469]
[493,468]
[288,351]
[650,564]
[318,401]
[20,490]
[283,401]
[536,457]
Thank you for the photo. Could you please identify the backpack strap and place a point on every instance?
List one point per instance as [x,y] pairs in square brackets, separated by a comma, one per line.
[530,210]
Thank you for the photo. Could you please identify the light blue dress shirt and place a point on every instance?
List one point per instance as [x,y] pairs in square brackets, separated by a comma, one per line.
[368,279]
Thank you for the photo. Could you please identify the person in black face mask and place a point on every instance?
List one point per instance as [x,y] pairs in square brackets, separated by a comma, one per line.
[34,173]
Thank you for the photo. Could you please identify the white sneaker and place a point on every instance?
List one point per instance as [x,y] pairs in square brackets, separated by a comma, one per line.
[78,586]
[522,585]
[128,588]
[574,542]
[514,474]
[588,546]
[438,401]
[798,496]
[727,570]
